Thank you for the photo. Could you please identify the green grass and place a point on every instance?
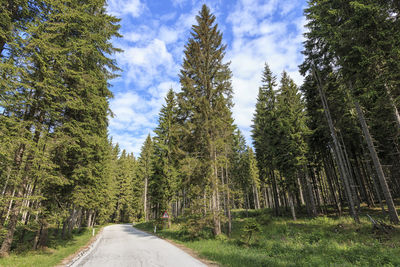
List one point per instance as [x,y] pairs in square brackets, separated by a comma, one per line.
[57,250]
[322,241]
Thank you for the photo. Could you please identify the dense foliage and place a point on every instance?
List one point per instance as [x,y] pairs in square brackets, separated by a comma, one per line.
[329,144]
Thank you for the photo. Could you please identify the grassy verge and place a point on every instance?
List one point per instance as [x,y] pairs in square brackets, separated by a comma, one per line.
[57,250]
[322,241]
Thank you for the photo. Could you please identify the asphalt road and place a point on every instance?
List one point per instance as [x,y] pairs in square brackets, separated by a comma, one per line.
[122,245]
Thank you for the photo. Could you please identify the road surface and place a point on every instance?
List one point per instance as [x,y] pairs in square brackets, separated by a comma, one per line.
[122,245]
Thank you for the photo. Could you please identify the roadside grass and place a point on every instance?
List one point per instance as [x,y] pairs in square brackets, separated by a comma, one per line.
[280,241]
[57,249]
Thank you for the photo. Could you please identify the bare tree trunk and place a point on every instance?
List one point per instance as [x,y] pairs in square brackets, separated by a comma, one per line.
[315,189]
[310,193]
[275,193]
[215,195]
[255,196]
[146,216]
[376,187]
[10,205]
[337,149]
[265,196]
[300,190]
[329,177]
[36,238]
[392,104]
[292,210]
[6,245]
[44,234]
[94,219]
[378,167]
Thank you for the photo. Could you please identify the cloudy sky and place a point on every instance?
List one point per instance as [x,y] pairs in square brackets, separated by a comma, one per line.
[154,34]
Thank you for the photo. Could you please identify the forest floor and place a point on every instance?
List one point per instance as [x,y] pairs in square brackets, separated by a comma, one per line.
[58,249]
[259,239]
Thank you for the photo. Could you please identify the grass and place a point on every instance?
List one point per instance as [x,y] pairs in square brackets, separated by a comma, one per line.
[57,250]
[321,241]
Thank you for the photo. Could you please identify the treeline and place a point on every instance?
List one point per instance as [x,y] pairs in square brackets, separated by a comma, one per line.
[330,145]
[338,145]
[197,164]
[57,166]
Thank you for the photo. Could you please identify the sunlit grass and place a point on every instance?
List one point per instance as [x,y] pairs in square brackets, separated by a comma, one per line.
[321,241]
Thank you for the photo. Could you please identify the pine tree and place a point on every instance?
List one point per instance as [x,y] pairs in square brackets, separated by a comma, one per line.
[145,172]
[61,68]
[205,102]
[361,65]
[164,183]
[264,131]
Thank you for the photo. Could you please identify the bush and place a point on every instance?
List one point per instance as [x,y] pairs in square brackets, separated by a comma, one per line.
[264,219]
[250,227]
[196,227]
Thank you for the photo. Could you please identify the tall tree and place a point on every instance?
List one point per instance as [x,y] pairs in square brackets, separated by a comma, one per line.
[164,183]
[145,172]
[205,101]
[264,131]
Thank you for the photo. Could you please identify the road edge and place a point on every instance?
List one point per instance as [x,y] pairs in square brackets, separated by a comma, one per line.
[82,251]
[189,251]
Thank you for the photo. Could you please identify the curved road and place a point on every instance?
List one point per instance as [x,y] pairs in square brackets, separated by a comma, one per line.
[122,245]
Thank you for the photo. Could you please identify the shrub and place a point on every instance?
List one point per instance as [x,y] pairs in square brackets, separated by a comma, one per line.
[250,227]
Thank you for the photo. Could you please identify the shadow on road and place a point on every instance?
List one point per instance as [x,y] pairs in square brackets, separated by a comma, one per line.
[128,228]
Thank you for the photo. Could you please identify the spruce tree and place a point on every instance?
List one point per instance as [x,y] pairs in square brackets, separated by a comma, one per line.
[264,131]
[164,184]
[145,172]
[205,103]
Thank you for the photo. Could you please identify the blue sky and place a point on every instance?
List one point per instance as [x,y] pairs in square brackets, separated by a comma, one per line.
[155,33]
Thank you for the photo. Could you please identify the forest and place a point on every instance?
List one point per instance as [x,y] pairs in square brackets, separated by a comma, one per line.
[327,147]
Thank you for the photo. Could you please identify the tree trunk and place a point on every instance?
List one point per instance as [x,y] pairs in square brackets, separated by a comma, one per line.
[12,224]
[255,196]
[292,210]
[310,193]
[337,149]
[10,205]
[94,219]
[378,167]
[146,217]
[329,177]
[315,189]
[215,197]
[376,187]
[396,115]
[89,218]
[275,193]
[229,201]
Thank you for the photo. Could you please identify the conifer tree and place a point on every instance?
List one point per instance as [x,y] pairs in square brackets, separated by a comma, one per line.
[360,66]
[145,172]
[164,183]
[63,142]
[264,131]
[205,102]
[291,147]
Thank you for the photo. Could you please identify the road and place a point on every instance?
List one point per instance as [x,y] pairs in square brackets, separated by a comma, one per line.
[122,245]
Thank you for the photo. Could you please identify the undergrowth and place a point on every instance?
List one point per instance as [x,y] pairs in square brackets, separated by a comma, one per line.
[57,249]
[259,239]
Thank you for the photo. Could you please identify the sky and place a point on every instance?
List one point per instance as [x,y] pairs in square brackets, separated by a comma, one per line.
[154,35]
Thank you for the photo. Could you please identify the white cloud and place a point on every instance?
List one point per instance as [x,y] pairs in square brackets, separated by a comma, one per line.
[259,38]
[129,142]
[143,65]
[153,51]
[125,7]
